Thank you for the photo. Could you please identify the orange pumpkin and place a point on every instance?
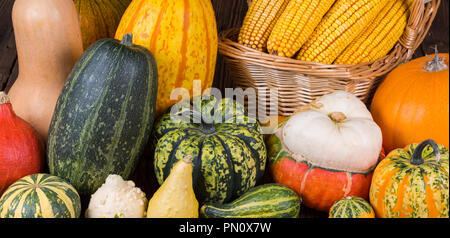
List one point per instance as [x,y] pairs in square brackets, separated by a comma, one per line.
[182,35]
[412,103]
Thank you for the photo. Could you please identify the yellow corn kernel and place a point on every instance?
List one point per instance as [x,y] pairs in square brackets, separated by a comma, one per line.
[259,22]
[341,25]
[295,25]
[380,37]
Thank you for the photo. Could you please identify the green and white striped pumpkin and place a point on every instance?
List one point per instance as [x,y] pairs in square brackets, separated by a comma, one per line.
[228,150]
[265,201]
[351,207]
[40,196]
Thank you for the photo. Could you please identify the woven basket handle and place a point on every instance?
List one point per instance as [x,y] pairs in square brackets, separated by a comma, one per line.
[423,14]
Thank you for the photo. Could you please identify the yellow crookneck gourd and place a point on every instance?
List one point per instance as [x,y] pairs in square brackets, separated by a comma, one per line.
[175,198]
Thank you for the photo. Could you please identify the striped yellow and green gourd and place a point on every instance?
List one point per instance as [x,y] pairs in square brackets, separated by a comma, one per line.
[182,35]
[259,21]
[229,154]
[340,26]
[295,25]
[104,115]
[412,182]
[351,207]
[380,36]
[264,201]
[40,196]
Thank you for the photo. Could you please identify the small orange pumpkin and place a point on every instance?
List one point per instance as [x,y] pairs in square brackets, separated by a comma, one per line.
[411,105]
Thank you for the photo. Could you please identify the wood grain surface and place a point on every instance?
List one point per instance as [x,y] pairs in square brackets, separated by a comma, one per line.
[229,14]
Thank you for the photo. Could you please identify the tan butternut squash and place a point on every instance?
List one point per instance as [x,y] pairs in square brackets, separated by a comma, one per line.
[49,42]
[175,198]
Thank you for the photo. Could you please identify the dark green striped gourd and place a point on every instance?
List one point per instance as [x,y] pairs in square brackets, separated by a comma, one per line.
[40,196]
[265,201]
[104,115]
[351,207]
[228,150]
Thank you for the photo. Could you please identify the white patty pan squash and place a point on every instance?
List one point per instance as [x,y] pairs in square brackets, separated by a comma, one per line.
[336,132]
[117,198]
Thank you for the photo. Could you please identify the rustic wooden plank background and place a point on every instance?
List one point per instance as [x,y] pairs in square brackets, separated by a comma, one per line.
[229,13]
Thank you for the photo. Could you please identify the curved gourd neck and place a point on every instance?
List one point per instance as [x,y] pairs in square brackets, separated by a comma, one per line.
[188,159]
[181,173]
[48,39]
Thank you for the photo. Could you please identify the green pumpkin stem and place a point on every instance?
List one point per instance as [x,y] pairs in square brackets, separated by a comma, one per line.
[417,159]
[127,39]
[208,128]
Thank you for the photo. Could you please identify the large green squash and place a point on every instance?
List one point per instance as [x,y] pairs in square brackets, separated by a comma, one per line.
[104,115]
[40,196]
[228,150]
[265,201]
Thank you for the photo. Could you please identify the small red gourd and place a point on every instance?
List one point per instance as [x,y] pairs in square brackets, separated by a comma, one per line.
[21,148]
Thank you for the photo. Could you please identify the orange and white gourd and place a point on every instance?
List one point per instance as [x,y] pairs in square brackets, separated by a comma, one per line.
[327,150]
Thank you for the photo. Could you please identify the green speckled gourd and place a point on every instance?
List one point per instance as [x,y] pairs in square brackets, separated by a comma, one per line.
[351,207]
[265,201]
[104,115]
[40,196]
[229,154]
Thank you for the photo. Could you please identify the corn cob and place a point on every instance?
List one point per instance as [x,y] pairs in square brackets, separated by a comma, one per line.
[341,25]
[259,22]
[380,37]
[295,25]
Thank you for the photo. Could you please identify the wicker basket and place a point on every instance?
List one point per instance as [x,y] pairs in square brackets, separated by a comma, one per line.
[297,83]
